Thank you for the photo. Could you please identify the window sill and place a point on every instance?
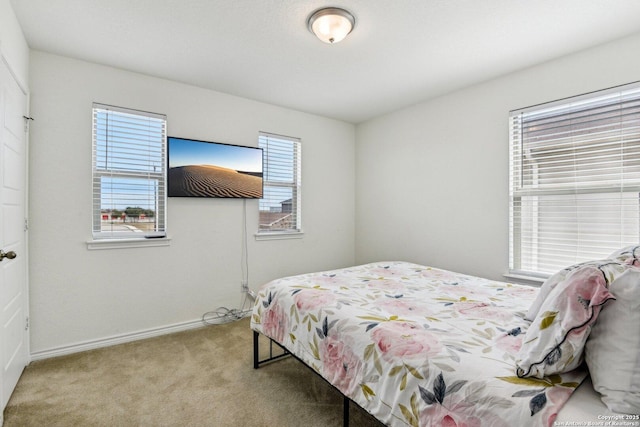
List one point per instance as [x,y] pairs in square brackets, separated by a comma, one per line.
[126,243]
[530,280]
[279,235]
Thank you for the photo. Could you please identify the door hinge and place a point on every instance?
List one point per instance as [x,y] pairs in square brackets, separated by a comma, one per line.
[26,224]
[26,326]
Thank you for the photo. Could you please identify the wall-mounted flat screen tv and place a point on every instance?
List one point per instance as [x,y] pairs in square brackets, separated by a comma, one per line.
[212,169]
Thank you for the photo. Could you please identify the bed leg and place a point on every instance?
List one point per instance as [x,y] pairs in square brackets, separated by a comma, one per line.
[345,411]
[256,362]
[256,351]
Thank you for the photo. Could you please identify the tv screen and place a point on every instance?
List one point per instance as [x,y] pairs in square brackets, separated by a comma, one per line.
[212,169]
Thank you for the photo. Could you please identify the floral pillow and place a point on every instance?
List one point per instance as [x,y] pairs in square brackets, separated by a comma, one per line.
[545,289]
[554,343]
[628,255]
[611,267]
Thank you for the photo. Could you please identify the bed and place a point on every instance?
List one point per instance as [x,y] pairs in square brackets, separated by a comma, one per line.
[420,346]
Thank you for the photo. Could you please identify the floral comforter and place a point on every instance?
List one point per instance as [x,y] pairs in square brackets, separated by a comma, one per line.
[415,345]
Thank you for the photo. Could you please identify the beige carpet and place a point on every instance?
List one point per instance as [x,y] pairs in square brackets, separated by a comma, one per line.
[202,377]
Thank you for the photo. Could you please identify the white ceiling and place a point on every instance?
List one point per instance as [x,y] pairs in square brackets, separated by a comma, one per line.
[401,52]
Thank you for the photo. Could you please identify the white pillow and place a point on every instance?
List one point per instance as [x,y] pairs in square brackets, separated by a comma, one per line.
[613,349]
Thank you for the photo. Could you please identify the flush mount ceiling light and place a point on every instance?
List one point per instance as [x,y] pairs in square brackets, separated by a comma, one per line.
[331,24]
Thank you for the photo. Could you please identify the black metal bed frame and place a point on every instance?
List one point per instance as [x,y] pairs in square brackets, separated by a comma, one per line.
[257,363]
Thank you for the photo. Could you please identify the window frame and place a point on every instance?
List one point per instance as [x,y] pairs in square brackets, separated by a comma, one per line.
[129,164]
[293,167]
[582,121]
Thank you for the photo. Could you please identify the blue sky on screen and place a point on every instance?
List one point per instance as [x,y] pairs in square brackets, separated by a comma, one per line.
[183,152]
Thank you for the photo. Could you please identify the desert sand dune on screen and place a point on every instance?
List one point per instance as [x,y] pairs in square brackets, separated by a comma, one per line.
[212,181]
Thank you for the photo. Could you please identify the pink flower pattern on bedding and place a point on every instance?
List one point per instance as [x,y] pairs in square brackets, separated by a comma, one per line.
[405,341]
[415,345]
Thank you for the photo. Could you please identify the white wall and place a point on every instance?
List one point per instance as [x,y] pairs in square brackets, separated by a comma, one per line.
[13,46]
[432,179]
[430,185]
[78,295]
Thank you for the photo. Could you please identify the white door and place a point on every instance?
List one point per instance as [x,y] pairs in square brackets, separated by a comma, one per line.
[13,266]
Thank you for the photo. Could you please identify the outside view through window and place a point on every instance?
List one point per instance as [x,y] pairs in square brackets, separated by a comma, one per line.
[128,173]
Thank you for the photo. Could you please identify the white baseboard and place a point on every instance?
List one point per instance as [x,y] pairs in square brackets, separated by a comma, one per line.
[114,340]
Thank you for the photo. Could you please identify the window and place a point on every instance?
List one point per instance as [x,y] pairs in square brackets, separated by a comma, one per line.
[280,205]
[129,158]
[574,180]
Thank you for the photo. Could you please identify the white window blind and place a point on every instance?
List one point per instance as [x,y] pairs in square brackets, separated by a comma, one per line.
[129,158]
[574,180]
[280,207]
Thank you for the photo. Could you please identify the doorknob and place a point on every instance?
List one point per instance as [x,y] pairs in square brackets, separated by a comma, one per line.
[10,255]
